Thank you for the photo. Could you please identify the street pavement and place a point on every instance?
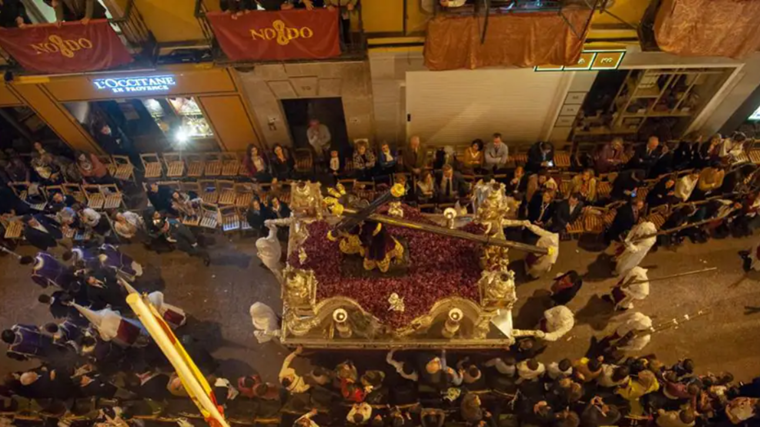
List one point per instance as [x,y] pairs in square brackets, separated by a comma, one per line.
[218,299]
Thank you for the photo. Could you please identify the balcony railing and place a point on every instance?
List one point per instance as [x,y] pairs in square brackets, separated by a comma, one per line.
[353,50]
[131,29]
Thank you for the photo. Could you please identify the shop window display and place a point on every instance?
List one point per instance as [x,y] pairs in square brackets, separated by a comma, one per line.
[191,121]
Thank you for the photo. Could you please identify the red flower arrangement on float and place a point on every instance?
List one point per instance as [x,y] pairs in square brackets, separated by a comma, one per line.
[441,267]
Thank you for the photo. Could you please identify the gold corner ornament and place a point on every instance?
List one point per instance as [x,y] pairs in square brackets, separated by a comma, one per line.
[334,206]
[396,303]
[337,192]
[398,190]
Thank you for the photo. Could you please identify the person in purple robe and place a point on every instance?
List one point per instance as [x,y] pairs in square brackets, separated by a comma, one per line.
[27,342]
[48,271]
[107,257]
[82,258]
[111,257]
[380,247]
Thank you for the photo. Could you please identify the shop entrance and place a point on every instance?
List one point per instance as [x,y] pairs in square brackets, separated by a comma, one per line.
[153,125]
[329,111]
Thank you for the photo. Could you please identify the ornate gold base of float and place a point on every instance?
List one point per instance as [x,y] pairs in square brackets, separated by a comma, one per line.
[456,293]
[313,323]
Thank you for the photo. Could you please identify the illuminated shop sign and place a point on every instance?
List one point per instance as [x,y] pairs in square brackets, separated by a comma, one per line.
[136,84]
[594,60]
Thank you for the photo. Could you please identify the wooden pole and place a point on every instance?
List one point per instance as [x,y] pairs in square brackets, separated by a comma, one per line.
[673,276]
[457,234]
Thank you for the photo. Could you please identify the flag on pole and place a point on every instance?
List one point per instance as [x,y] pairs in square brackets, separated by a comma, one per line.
[192,379]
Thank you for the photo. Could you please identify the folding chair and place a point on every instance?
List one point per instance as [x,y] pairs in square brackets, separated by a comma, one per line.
[213,164]
[348,166]
[520,159]
[125,170]
[175,166]
[243,195]
[75,191]
[195,165]
[565,184]
[562,159]
[594,221]
[604,185]
[113,197]
[152,164]
[14,228]
[20,189]
[659,215]
[230,164]
[754,156]
[283,193]
[304,160]
[209,192]
[230,218]
[577,227]
[108,163]
[209,216]
[95,198]
[365,190]
[226,190]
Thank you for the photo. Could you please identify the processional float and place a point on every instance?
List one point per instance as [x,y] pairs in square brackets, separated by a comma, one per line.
[383,275]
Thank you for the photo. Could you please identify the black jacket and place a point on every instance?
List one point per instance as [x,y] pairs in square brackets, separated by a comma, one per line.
[536,157]
[40,239]
[643,160]
[256,218]
[660,194]
[459,187]
[561,215]
[161,200]
[624,221]
[624,182]
[534,209]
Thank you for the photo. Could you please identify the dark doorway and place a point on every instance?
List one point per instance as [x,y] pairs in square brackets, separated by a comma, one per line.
[329,111]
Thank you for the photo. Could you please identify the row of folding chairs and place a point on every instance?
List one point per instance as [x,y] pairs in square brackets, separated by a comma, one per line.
[192,165]
[98,197]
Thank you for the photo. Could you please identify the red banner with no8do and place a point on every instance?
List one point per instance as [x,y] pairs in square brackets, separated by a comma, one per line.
[73,47]
[279,35]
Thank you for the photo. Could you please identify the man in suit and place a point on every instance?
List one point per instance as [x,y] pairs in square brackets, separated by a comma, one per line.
[41,232]
[646,156]
[565,213]
[627,216]
[183,239]
[103,289]
[540,155]
[540,208]
[625,184]
[415,157]
[450,186]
